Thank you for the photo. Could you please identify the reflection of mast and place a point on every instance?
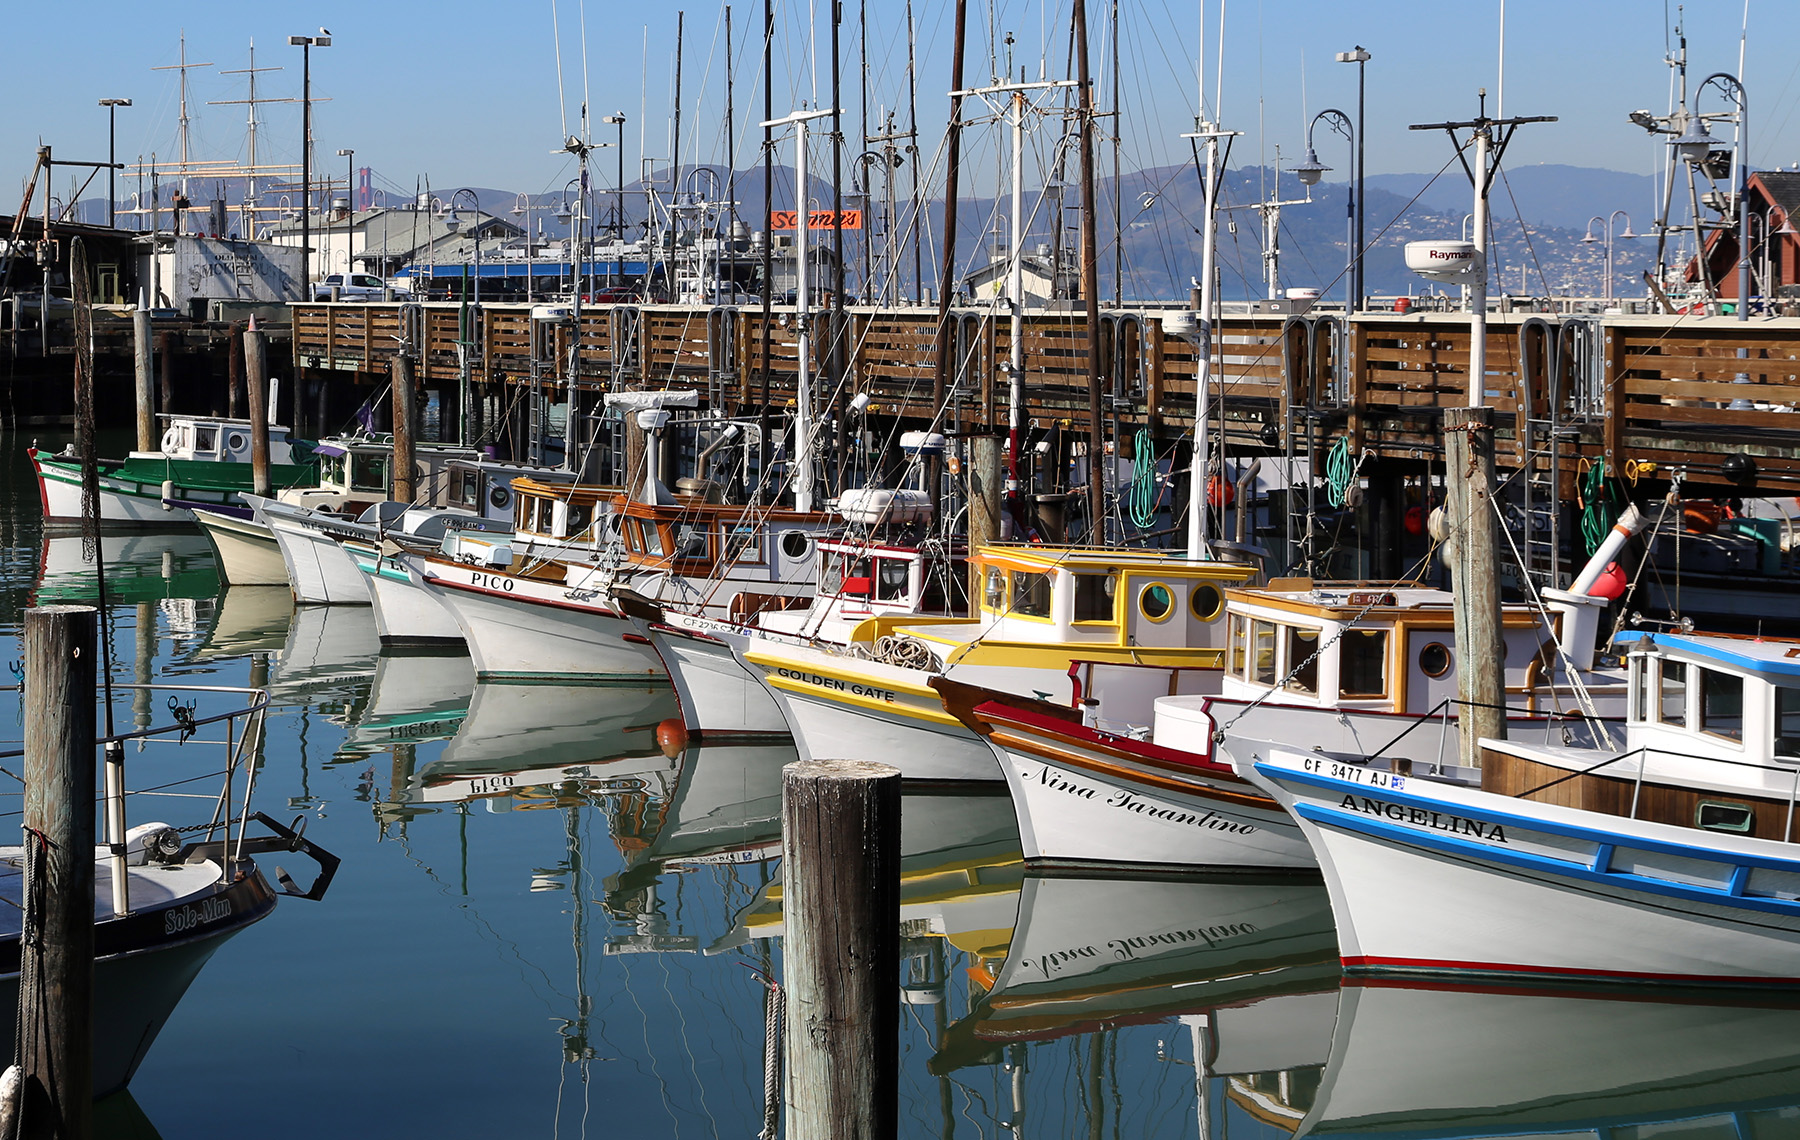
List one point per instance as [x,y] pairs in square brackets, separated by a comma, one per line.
[1200,1029]
[575,1047]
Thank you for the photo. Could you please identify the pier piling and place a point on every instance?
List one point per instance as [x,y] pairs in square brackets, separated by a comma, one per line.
[1469,487]
[404,419]
[146,366]
[840,847]
[57,969]
[256,389]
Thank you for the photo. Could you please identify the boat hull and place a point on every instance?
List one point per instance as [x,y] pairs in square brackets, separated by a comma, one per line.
[406,613]
[1089,798]
[849,709]
[319,569]
[533,631]
[1434,878]
[132,491]
[247,550]
[719,697]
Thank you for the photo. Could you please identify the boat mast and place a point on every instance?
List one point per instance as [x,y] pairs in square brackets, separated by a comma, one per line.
[800,447]
[1090,284]
[945,349]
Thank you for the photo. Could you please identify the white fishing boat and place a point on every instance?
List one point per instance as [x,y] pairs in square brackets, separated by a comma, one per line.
[164,902]
[247,552]
[203,459]
[1670,858]
[858,578]
[318,569]
[406,613]
[524,617]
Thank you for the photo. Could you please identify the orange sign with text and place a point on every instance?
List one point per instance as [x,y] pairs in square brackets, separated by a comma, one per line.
[817,220]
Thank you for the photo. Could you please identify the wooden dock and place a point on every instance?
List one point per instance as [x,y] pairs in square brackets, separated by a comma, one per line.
[1646,394]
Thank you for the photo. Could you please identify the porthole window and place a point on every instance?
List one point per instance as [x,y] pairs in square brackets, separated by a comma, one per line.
[1723,816]
[795,544]
[1434,659]
[1156,602]
[1207,602]
[500,497]
[235,441]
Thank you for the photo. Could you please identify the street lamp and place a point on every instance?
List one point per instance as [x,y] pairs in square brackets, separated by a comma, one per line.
[349,157]
[452,221]
[1360,57]
[1312,170]
[618,120]
[1735,88]
[1589,239]
[112,137]
[306,44]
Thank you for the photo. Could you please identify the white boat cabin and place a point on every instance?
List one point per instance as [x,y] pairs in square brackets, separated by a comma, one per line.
[485,487]
[217,439]
[357,471]
[1727,698]
[549,512]
[1384,647]
[858,579]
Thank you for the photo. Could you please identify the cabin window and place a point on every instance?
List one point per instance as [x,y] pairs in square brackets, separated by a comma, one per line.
[1723,817]
[580,515]
[1156,602]
[1094,596]
[993,594]
[1207,602]
[1030,594]
[1262,652]
[690,540]
[1362,663]
[1672,689]
[891,579]
[1787,721]
[205,438]
[1640,689]
[368,473]
[332,471]
[831,573]
[500,497]
[1303,666]
[467,488]
[649,537]
[1434,659]
[1236,641]
[741,544]
[795,544]
[1722,704]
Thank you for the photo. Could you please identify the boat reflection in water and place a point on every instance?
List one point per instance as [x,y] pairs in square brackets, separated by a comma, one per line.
[139,568]
[247,619]
[414,697]
[329,656]
[1446,1061]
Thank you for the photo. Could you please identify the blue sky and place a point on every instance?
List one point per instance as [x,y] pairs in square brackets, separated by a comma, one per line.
[468,94]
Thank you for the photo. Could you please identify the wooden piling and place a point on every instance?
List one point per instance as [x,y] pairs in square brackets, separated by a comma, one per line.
[234,370]
[57,972]
[256,385]
[146,369]
[1480,652]
[165,353]
[840,841]
[987,482]
[404,420]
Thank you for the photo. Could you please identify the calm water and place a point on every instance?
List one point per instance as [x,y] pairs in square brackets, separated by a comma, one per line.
[544,926]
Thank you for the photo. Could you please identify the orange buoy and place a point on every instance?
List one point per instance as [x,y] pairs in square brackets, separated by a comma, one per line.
[672,737]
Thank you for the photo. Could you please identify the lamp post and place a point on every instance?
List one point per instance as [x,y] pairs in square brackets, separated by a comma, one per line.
[1312,170]
[618,120]
[1360,57]
[452,221]
[1692,148]
[112,138]
[349,156]
[1589,238]
[306,44]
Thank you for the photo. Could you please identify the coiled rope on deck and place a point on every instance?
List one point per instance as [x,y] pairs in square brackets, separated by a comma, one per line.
[1140,493]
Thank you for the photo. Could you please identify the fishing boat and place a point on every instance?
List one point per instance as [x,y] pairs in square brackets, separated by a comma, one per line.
[1669,858]
[529,617]
[165,899]
[203,459]
[858,577]
[243,543]
[1040,607]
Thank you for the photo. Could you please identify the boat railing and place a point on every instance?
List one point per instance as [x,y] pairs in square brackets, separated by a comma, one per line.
[1645,752]
[1440,712]
[236,732]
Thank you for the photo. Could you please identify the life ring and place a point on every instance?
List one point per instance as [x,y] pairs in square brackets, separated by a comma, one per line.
[171,440]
